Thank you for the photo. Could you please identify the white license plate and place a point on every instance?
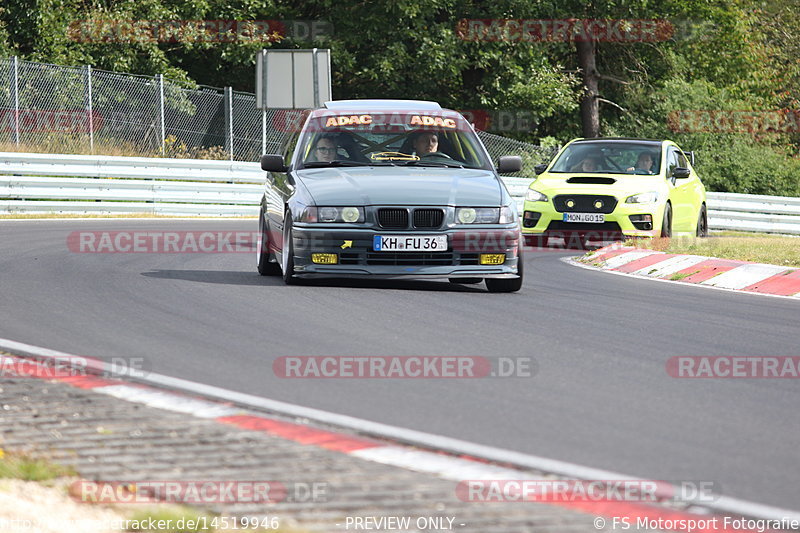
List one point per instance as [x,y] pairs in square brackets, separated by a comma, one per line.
[409,243]
[597,218]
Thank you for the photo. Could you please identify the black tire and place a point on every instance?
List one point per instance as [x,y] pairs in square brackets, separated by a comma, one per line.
[666,225]
[287,254]
[508,284]
[265,267]
[465,281]
[702,222]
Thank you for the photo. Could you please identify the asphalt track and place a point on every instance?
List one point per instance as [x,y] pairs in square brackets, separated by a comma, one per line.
[601,396]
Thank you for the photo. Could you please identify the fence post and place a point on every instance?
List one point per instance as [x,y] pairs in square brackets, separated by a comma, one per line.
[15,96]
[264,131]
[229,120]
[89,107]
[161,112]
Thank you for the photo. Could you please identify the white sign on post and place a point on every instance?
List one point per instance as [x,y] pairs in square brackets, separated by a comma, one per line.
[293,79]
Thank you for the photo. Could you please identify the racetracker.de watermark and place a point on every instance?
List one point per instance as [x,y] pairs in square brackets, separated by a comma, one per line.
[565,30]
[403,367]
[492,120]
[73,366]
[199,492]
[194,31]
[575,490]
[734,367]
[50,121]
[162,242]
[734,121]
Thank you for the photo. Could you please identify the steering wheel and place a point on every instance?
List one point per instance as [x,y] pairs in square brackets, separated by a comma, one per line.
[436,154]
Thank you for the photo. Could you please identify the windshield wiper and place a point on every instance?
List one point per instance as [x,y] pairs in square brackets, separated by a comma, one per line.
[433,164]
[334,163]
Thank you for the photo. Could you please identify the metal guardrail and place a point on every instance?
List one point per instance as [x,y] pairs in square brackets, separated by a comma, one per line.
[751,212]
[99,166]
[82,184]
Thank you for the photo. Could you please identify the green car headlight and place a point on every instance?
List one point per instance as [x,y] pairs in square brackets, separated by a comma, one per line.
[643,198]
[535,196]
[477,215]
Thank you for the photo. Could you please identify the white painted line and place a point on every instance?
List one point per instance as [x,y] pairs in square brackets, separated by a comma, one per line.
[443,466]
[573,261]
[744,276]
[623,259]
[407,436]
[169,401]
[669,266]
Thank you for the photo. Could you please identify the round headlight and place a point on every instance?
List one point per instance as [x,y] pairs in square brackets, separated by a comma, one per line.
[328,214]
[350,214]
[467,215]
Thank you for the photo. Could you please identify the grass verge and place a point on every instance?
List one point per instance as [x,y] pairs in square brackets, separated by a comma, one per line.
[757,248]
[16,466]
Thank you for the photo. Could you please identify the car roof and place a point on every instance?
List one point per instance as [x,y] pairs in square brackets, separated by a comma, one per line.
[415,105]
[591,140]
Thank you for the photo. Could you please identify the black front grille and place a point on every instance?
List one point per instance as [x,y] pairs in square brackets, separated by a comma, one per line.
[558,225]
[428,218]
[584,203]
[409,259]
[348,259]
[469,259]
[393,217]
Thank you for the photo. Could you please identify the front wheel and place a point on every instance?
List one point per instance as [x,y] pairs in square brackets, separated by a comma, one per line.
[666,225]
[287,254]
[507,285]
[265,266]
[702,222]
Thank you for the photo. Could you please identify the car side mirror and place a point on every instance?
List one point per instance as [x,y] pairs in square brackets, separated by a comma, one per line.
[538,169]
[272,163]
[680,173]
[509,163]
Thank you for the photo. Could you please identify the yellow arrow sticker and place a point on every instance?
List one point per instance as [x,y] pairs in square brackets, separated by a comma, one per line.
[347,244]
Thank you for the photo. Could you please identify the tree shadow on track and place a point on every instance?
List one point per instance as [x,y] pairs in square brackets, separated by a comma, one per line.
[232,277]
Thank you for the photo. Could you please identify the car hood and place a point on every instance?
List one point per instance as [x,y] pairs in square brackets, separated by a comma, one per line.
[402,186]
[623,183]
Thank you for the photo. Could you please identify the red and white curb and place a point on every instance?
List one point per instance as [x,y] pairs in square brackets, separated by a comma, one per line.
[744,276]
[443,457]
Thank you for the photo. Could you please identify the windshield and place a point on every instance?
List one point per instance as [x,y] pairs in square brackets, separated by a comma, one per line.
[436,139]
[609,158]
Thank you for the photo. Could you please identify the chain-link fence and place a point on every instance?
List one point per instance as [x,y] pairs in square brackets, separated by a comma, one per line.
[81,110]
[56,109]
[531,154]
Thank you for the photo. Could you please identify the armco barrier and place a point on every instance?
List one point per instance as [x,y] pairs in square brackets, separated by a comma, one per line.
[53,183]
[750,212]
[80,184]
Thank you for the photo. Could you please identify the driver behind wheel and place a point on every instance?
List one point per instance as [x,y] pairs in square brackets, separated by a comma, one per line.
[644,163]
[426,142]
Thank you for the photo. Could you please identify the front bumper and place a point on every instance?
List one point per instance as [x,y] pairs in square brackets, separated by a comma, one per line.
[542,219]
[356,257]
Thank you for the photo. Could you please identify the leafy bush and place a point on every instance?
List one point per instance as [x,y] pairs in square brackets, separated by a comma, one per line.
[750,163]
